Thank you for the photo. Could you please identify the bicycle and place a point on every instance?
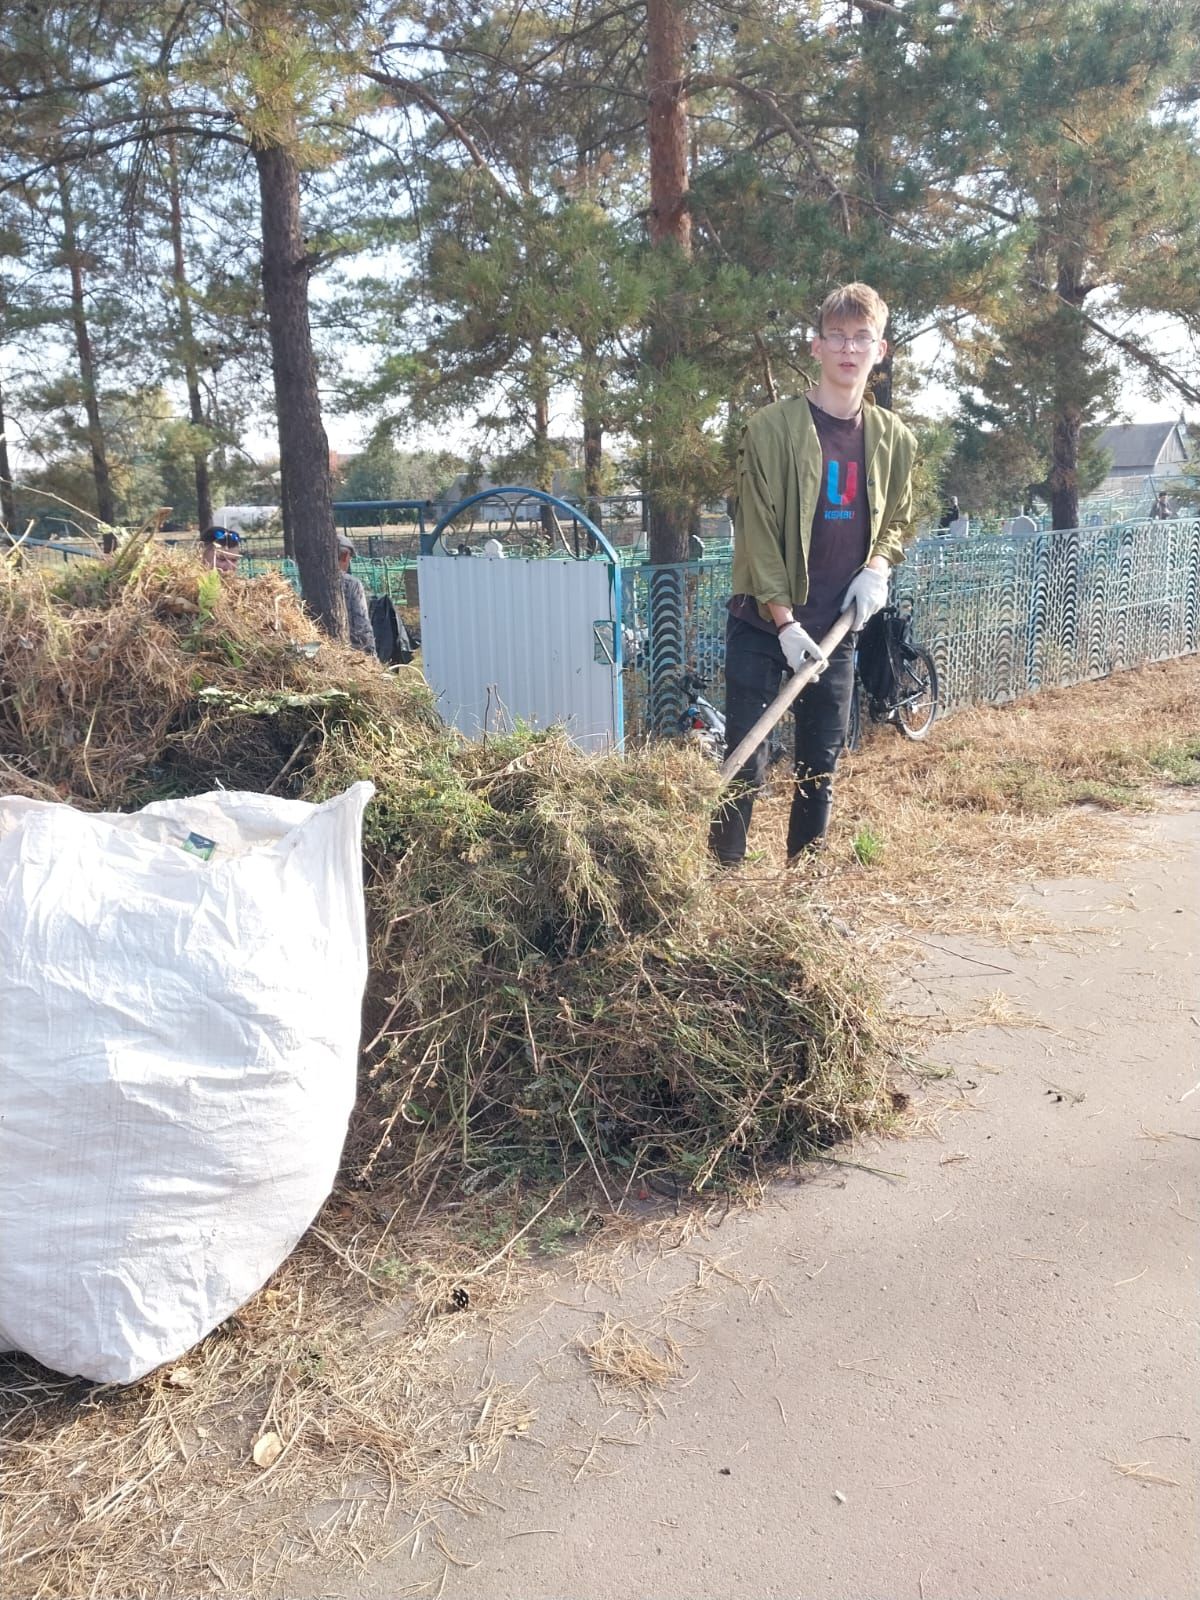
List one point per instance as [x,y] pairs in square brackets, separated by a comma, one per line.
[897,682]
[700,721]
[703,724]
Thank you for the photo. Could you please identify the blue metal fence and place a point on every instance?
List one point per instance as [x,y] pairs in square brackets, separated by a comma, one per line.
[1006,617]
[1002,616]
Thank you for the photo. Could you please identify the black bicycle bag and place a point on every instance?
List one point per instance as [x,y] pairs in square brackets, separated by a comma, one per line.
[881,649]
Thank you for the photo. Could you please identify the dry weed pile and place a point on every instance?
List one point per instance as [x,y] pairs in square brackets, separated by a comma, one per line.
[556,979]
[147,677]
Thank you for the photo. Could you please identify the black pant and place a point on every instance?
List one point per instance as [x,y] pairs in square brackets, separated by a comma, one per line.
[754,670]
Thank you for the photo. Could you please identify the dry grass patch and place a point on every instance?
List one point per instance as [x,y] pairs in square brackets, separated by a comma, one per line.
[319,1420]
[997,797]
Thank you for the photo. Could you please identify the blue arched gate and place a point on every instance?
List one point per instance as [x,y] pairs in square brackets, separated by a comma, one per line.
[521,618]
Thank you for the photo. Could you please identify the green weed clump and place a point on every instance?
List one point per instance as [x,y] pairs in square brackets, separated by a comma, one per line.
[868,847]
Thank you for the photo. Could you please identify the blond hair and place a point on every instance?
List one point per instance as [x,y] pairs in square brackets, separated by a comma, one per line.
[854,300]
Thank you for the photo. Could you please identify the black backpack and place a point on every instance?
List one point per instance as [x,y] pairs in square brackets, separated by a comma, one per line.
[882,647]
[392,643]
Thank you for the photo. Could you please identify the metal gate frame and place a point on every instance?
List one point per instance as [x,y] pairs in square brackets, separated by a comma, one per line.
[591,548]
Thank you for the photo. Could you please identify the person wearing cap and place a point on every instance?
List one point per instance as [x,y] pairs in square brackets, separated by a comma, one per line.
[221,548]
[358,615]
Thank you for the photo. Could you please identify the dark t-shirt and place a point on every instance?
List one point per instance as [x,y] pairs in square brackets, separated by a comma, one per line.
[841,529]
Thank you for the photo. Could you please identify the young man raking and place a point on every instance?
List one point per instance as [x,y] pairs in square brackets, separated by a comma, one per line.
[824,505]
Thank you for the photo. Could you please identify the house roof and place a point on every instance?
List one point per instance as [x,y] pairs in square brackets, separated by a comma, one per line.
[1136,446]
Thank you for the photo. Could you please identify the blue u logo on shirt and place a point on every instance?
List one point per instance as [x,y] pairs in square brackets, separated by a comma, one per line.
[837,495]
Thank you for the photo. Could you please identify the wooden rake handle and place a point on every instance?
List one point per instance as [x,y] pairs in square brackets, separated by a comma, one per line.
[795,685]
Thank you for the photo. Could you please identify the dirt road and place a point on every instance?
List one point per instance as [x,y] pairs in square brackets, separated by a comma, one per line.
[977,1378]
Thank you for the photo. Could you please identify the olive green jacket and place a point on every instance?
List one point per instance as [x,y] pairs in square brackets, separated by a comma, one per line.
[778,485]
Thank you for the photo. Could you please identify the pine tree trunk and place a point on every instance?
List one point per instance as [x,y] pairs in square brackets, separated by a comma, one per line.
[285,520]
[1064,467]
[106,506]
[187,340]
[8,504]
[593,454]
[591,398]
[303,444]
[667,124]
[670,228]
[872,163]
[669,524]
[543,471]
[539,385]
[881,377]
[1068,414]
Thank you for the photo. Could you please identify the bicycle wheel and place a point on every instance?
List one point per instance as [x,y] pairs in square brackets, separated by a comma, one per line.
[854,724]
[916,694]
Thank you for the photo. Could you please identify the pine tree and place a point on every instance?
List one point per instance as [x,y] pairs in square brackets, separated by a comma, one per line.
[518,287]
[1097,174]
[42,46]
[284,85]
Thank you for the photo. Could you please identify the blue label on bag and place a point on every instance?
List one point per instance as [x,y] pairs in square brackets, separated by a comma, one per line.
[197,845]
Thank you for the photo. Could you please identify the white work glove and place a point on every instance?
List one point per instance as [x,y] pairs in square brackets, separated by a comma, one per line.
[800,649]
[867,594]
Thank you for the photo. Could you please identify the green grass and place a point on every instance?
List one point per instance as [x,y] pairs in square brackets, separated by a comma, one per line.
[1178,761]
[868,847]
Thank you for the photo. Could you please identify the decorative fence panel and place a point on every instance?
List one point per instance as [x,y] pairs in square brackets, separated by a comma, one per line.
[1002,616]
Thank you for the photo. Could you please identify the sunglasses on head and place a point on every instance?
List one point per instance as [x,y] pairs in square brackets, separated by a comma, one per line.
[226,536]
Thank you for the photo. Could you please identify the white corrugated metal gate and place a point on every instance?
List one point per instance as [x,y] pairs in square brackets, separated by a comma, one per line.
[524,640]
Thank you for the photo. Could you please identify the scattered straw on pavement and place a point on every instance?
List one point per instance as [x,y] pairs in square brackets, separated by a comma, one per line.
[632,1360]
[163,1488]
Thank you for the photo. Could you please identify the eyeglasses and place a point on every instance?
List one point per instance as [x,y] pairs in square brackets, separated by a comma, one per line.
[838,342]
[226,536]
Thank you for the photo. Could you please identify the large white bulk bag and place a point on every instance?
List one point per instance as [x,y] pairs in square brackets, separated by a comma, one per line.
[179,1030]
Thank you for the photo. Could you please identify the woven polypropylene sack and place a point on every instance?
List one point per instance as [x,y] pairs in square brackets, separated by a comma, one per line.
[179,1029]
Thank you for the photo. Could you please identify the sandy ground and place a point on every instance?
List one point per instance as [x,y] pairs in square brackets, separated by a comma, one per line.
[976,1378]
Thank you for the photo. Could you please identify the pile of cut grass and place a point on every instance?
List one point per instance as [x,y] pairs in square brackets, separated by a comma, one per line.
[125,682]
[557,979]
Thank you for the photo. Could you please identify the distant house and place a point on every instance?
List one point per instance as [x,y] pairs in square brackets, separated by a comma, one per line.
[243,518]
[1140,451]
